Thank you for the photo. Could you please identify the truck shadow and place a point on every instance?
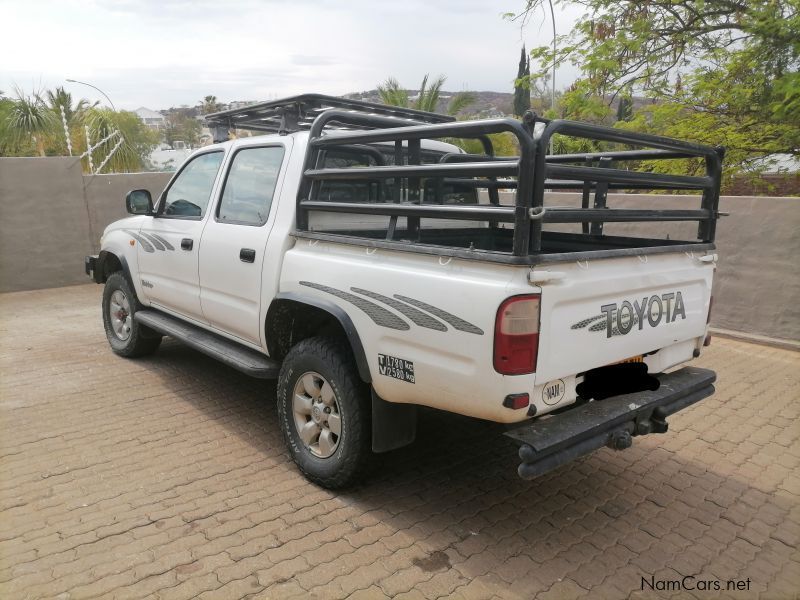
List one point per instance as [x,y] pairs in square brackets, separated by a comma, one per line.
[453,498]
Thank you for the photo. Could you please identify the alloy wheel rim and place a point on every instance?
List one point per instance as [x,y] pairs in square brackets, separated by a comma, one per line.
[317,418]
[119,313]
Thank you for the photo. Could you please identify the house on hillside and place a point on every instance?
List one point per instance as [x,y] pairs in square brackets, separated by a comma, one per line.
[151,118]
[240,104]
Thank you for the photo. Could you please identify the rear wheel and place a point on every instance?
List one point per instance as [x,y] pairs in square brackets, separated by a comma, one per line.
[126,337]
[324,411]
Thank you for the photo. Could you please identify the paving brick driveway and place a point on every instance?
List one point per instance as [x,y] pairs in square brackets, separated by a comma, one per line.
[166,477]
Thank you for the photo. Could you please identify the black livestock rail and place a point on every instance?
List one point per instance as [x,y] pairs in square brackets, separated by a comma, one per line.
[510,231]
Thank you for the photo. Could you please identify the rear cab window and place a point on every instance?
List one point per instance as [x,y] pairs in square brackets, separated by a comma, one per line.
[249,185]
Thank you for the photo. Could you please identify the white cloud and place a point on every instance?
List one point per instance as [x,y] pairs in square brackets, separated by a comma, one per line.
[160,53]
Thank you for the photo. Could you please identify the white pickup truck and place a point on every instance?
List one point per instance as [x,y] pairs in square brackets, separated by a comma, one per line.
[360,257]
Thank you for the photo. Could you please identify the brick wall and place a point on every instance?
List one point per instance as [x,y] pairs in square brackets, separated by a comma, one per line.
[764,185]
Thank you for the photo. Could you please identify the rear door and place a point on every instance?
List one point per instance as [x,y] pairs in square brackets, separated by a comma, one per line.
[234,241]
[603,311]
[168,243]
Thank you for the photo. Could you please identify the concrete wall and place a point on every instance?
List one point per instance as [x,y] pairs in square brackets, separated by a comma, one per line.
[43,223]
[105,197]
[51,216]
[757,286]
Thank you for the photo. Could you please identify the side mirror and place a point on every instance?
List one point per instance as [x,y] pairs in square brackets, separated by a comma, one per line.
[139,202]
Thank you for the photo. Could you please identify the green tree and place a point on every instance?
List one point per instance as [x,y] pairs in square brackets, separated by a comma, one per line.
[392,93]
[7,145]
[460,102]
[29,120]
[58,98]
[578,103]
[522,85]
[504,144]
[179,126]
[720,71]
[625,107]
[138,140]
[31,125]
[74,113]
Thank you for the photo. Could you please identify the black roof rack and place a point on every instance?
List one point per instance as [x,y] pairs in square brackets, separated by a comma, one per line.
[297,113]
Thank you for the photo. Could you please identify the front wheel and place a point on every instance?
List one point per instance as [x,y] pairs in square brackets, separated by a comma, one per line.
[324,412]
[126,337]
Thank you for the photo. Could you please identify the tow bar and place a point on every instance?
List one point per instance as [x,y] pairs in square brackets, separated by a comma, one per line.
[549,443]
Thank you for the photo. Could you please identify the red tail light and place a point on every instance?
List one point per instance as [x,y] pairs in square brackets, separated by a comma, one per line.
[516,335]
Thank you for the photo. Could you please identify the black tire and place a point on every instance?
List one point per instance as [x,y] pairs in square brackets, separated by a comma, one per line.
[140,340]
[334,362]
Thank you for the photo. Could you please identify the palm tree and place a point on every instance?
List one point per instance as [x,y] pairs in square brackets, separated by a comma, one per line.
[393,94]
[428,98]
[31,119]
[459,102]
[60,98]
[210,105]
[60,102]
[137,140]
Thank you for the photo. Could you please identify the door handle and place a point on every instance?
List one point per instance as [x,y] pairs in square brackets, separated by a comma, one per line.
[187,243]
[247,255]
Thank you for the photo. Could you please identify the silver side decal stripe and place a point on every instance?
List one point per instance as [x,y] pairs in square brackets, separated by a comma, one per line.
[146,245]
[388,319]
[157,239]
[163,241]
[155,242]
[457,322]
[417,316]
[378,314]
[150,241]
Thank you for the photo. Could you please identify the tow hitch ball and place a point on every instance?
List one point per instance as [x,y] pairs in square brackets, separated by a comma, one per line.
[622,438]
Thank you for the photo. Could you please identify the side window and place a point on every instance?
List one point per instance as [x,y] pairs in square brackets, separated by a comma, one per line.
[189,194]
[250,186]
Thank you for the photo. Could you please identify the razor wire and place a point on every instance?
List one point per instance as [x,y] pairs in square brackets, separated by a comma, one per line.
[90,148]
[110,154]
[66,129]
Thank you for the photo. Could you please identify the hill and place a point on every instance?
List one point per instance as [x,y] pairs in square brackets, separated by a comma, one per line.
[486,105]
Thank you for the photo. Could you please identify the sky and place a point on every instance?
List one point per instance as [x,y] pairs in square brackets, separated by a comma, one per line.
[163,53]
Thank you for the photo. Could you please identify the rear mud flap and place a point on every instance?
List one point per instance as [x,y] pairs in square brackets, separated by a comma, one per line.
[547,444]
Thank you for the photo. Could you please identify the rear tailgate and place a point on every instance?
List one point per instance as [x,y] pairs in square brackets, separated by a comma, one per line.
[602,311]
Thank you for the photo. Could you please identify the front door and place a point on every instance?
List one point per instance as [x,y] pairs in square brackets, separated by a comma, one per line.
[168,243]
[235,238]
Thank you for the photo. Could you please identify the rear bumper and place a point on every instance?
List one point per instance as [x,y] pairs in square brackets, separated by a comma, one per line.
[549,443]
